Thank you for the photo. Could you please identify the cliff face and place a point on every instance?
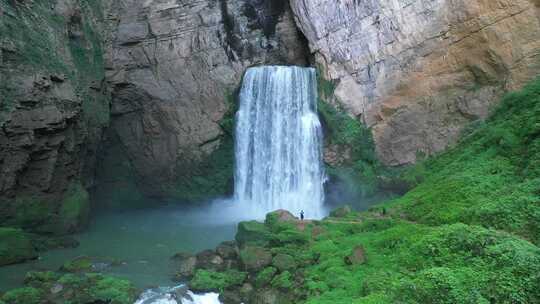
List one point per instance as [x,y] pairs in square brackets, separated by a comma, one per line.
[418,71]
[173,66]
[54,107]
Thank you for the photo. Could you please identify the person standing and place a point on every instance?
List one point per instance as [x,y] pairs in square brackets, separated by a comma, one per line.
[302,215]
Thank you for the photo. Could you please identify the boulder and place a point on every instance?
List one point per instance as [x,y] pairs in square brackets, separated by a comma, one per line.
[79,264]
[279,216]
[270,296]
[255,258]
[252,233]
[264,277]
[341,211]
[15,247]
[357,257]
[227,250]
[209,259]
[284,262]
[186,265]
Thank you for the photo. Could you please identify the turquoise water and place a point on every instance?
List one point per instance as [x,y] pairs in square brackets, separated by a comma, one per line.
[142,240]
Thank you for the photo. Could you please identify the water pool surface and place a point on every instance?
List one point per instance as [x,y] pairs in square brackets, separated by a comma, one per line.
[143,241]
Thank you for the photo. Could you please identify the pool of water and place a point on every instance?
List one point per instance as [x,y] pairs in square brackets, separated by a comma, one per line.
[142,240]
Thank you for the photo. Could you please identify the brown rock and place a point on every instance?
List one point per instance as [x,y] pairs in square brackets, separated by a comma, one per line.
[209,259]
[227,250]
[186,265]
[417,74]
[357,257]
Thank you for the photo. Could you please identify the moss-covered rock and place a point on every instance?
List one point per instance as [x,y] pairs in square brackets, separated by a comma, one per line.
[111,290]
[341,211]
[264,277]
[15,246]
[283,281]
[79,264]
[75,209]
[24,295]
[284,262]
[255,258]
[207,280]
[279,217]
[252,233]
[57,288]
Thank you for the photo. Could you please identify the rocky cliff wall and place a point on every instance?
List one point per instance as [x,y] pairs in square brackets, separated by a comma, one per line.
[54,106]
[418,71]
[173,68]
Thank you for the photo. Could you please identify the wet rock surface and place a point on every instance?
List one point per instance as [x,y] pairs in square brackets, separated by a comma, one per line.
[53,108]
[268,272]
[173,65]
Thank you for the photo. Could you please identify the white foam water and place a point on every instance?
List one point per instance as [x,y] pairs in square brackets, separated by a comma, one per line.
[171,295]
[279,143]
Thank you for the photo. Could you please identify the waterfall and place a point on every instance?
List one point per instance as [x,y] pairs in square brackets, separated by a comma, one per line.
[279,142]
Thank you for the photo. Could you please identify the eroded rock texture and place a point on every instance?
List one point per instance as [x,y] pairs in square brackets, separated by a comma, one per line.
[418,71]
[173,65]
[53,108]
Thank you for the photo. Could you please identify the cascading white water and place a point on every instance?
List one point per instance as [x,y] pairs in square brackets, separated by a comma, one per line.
[279,142]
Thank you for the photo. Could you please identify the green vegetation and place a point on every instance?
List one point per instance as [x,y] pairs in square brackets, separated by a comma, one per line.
[27,295]
[467,233]
[359,173]
[15,246]
[66,48]
[252,232]
[265,277]
[28,213]
[205,280]
[80,264]
[491,178]
[75,208]
[213,177]
[67,216]
[71,288]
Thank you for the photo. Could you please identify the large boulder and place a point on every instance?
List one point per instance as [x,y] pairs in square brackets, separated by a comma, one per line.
[227,250]
[15,247]
[284,262]
[253,233]
[209,259]
[255,258]
[187,264]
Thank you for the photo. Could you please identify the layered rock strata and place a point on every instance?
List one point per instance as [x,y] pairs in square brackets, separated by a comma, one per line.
[418,71]
[173,67]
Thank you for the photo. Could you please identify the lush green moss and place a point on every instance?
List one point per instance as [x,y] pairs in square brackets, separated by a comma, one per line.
[284,262]
[29,213]
[491,178]
[75,208]
[15,246]
[112,290]
[76,289]
[360,173]
[252,233]
[283,281]
[265,277]
[467,233]
[206,280]
[80,264]
[26,295]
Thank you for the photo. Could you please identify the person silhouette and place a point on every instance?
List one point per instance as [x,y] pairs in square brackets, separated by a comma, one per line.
[302,215]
